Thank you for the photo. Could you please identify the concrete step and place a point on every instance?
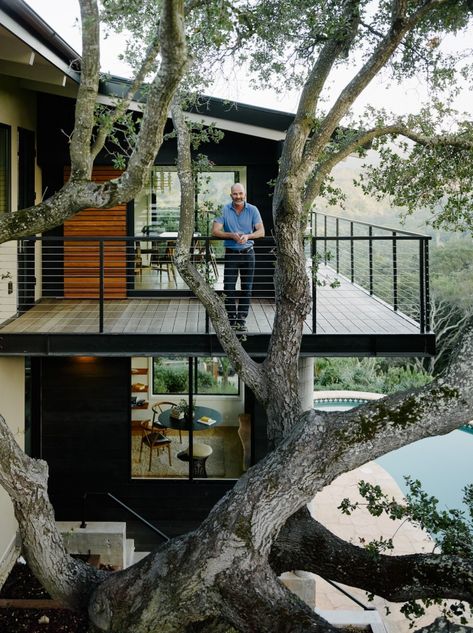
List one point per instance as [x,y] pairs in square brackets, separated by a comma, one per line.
[137,556]
[129,551]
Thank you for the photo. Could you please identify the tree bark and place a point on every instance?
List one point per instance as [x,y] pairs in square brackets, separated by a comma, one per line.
[305,544]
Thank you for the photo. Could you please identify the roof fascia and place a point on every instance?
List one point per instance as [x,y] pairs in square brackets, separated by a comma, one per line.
[30,40]
[222,124]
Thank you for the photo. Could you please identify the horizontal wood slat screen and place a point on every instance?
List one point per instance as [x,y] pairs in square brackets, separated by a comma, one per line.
[82,259]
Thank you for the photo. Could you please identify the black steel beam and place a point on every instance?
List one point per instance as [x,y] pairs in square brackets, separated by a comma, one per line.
[208,344]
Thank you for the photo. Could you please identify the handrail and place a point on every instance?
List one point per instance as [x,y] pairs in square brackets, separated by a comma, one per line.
[107,268]
[363,273]
[377,226]
[348,595]
[122,504]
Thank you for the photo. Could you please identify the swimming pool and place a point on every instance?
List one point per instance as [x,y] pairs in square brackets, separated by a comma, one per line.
[338,404]
[443,463]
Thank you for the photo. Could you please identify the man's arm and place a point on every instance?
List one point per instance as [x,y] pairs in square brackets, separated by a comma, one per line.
[217,231]
[257,232]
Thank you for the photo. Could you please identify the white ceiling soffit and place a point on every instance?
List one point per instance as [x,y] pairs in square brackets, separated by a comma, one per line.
[221,124]
[23,56]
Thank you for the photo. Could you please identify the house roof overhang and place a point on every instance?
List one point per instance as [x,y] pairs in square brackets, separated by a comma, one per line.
[34,53]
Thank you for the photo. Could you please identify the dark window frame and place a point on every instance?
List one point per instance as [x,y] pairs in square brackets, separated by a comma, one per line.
[195,389]
[5,157]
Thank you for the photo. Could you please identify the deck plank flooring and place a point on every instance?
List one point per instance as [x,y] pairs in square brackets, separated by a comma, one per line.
[187,316]
[343,310]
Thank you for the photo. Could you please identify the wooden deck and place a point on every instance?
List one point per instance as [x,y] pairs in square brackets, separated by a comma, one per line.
[343,310]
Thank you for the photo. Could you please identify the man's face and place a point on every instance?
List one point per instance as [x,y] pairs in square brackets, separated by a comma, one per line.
[238,194]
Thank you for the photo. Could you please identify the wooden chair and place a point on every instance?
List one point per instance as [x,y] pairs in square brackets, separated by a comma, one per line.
[138,260]
[154,439]
[199,255]
[161,260]
[159,407]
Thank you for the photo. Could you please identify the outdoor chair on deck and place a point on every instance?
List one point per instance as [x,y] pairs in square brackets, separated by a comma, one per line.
[153,439]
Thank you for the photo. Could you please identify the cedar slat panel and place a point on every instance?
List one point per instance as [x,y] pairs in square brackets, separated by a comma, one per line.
[82,259]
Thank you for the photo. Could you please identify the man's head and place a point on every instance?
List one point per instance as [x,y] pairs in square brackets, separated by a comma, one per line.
[237,193]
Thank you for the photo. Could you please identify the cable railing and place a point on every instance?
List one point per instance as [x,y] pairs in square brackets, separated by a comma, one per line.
[364,278]
[389,264]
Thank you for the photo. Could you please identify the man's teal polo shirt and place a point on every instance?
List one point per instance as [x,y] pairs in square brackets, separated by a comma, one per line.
[244,223]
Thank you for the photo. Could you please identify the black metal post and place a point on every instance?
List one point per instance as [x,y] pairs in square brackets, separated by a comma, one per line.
[370,260]
[427,285]
[352,255]
[83,524]
[337,244]
[395,277]
[315,266]
[207,268]
[101,285]
[422,284]
[191,418]
[325,240]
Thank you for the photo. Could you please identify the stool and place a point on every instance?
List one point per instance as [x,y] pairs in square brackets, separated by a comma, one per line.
[200,453]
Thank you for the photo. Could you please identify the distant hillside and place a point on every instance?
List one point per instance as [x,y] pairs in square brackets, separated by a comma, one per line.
[365,208]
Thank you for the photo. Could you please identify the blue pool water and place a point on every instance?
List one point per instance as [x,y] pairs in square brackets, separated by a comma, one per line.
[341,404]
[444,464]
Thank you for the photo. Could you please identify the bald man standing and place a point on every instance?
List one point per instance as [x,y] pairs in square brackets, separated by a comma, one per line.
[239,224]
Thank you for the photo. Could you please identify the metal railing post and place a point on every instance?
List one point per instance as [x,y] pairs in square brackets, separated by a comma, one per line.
[370,260]
[427,285]
[313,249]
[101,285]
[422,284]
[352,255]
[337,245]
[207,268]
[395,279]
[325,240]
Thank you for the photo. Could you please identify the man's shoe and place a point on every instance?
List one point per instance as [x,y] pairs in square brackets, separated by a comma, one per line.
[241,326]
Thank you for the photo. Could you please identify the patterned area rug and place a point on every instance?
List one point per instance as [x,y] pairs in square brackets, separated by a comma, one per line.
[215,465]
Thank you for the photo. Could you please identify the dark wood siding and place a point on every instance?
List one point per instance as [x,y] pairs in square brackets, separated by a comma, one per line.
[85,420]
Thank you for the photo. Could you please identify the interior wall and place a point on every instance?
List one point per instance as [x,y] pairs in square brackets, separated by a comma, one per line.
[12,408]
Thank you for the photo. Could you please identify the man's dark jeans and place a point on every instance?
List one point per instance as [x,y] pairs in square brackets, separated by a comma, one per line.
[244,265]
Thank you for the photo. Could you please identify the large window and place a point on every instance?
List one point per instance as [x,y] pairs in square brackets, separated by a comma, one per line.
[213,375]
[164,411]
[157,207]
[5,167]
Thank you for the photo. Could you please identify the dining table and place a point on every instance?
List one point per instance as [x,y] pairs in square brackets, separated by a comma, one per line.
[166,419]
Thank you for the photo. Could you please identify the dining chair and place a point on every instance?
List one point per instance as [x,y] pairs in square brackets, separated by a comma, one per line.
[199,256]
[159,407]
[154,439]
[161,260]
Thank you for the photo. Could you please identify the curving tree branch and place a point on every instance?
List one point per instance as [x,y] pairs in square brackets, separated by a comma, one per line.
[306,544]
[25,480]
[81,160]
[249,370]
